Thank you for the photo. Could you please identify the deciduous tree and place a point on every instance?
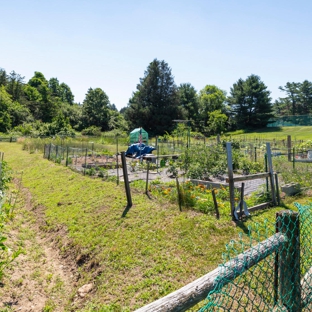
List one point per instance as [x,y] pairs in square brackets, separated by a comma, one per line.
[211,98]
[95,111]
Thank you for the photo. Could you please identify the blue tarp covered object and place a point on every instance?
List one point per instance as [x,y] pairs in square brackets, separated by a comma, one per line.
[137,150]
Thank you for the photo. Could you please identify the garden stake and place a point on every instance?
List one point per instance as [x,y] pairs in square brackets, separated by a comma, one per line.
[179,194]
[215,204]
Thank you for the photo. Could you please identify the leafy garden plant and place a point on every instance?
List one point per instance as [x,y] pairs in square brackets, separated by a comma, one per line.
[6,257]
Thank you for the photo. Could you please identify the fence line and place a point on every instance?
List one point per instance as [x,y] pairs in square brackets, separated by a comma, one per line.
[248,282]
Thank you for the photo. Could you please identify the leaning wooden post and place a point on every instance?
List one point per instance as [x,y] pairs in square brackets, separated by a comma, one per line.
[269,157]
[215,203]
[179,193]
[288,261]
[126,180]
[231,176]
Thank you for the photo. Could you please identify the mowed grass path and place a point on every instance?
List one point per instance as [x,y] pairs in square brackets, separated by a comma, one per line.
[296,133]
[132,260]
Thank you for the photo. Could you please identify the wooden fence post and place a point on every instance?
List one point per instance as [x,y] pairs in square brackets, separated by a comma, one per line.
[49,151]
[126,180]
[230,175]
[66,163]
[147,174]
[288,261]
[289,147]
[117,161]
[85,169]
[270,165]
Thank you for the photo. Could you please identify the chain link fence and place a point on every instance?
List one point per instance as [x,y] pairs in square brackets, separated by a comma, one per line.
[280,278]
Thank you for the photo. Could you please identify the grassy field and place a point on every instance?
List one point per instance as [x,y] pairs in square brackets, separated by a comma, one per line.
[297,133]
[132,257]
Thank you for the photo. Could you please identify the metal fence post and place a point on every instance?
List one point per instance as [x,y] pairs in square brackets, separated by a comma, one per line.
[288,261]
[230,174]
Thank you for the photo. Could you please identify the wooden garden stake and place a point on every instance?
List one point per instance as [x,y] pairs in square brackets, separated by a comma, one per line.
[215,203]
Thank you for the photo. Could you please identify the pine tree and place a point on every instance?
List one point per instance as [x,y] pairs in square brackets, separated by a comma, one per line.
[251,103]
[155,104]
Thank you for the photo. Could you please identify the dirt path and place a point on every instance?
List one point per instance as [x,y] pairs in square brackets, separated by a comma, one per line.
[40,279]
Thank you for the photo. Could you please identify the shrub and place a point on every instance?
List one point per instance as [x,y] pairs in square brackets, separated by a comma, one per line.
[93,130]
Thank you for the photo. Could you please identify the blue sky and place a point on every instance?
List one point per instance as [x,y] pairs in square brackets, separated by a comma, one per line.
[109,44]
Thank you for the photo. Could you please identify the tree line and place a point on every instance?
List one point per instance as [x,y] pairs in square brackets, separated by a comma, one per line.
[47,107]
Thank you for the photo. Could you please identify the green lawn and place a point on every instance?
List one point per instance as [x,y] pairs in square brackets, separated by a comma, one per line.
[297,133]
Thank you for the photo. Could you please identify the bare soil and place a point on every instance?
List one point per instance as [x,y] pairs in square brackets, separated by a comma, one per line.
[41,278]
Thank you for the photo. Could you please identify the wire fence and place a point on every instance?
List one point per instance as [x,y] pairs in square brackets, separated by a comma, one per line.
[280,279]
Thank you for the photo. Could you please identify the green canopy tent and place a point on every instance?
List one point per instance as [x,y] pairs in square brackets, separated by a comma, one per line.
[135,136]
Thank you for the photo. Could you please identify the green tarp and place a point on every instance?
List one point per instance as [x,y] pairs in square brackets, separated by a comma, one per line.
[135,136]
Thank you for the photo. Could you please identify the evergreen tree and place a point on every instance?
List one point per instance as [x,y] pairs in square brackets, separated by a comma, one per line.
[292,91]
[298,100]
[14,85]
[3,77]
[155,104]
[251,103]
[188,100]
[305,96]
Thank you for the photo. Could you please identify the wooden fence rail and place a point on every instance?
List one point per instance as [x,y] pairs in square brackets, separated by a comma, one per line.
[191,294]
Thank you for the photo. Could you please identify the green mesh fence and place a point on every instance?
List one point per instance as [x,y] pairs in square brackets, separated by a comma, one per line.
[286,121]
[274,273]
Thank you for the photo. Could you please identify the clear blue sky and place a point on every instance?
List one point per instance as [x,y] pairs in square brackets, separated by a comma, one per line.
[109,44]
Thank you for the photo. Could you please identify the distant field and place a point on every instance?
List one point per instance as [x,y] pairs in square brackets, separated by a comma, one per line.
[297,133]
